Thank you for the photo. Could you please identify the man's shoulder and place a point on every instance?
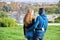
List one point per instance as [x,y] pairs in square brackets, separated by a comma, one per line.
[38,16]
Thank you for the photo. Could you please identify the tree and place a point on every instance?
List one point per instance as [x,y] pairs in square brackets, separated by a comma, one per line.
[57,11]
[59,4]
[51,10]
[6,8]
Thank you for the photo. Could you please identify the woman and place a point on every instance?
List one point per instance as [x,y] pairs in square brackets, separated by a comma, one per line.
[28,22]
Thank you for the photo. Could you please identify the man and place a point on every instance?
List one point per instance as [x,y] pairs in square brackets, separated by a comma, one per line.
[40,26]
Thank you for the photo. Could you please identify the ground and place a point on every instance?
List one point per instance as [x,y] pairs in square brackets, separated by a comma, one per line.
[16,33]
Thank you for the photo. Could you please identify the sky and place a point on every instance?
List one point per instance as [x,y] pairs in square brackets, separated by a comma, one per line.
[38,0]
[51,1]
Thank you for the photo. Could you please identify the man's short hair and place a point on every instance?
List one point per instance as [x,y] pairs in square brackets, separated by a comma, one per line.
[40,9]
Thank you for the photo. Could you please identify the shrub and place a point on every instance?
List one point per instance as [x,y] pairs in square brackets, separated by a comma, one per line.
[57,20]
[57,11]
[7,22]
[50,21]
[3,14]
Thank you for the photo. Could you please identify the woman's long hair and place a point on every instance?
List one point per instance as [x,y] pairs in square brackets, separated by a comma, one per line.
[28,17]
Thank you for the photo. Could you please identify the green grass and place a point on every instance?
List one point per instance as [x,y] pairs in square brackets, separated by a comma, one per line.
[11,33]
[53,33]
[16,33]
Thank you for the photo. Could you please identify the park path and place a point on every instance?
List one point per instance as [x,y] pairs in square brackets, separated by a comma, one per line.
[50,24]
[54,24]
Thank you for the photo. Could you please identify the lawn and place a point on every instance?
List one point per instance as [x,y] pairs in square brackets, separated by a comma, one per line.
[16,33]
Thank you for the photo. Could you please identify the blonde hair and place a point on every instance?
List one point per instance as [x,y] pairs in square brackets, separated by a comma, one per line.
[28,17]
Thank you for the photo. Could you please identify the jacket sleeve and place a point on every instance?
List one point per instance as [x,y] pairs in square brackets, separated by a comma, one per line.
[38,20]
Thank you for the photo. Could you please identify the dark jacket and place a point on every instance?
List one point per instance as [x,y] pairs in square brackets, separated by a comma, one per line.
[28,33]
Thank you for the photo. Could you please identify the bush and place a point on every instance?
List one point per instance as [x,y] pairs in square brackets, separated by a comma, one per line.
[57,20]
[3,14]
[36,10]
[51,10]
[57,11]
[50,21]
[7,22]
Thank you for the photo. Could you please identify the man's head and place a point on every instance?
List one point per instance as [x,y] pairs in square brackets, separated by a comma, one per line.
[41,10]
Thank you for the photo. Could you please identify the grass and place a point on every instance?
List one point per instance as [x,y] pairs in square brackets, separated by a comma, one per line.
[16,33]
[53,33]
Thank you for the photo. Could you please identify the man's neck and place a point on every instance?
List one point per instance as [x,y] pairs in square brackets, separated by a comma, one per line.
[40,13]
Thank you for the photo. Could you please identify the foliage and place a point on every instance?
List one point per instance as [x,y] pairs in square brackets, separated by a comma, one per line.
[36,10]
[3,14]
[57,11]
[50,21]
[57,20]
[6,8]
[51,10]
[5,21]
